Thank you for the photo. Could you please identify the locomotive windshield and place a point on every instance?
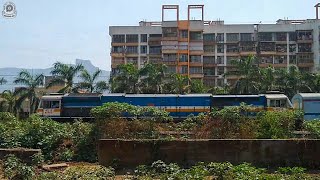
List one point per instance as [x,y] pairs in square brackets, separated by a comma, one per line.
[50,104]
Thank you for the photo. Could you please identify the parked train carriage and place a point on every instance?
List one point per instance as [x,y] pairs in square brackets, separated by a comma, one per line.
[50,106]
[78,105]
[309,103]
[277,101]
[179,106]
[222,101]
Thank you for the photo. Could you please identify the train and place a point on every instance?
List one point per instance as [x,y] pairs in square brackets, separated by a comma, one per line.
[179,106]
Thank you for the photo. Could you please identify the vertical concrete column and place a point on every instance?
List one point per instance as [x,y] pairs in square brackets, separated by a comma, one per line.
[139,55]
[288,51]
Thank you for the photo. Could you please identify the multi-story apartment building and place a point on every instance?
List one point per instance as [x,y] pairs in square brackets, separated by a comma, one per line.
[204,49]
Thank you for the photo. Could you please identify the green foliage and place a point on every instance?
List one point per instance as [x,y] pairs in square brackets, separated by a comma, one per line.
[220,171]
[291,170]
[88,173]
[14,168]
[57,141]
[114,110]
[277,124]
[7,116]
[313,127]
[38,159]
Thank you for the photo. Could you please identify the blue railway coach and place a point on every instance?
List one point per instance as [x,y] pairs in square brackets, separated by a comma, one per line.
[309,103]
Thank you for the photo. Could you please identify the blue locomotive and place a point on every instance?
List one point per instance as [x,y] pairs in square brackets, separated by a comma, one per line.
[179,106]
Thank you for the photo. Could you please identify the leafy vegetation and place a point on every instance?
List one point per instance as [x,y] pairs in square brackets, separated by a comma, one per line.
[161,170]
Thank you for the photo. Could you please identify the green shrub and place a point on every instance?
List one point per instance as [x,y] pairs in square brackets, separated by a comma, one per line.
[291,170]
[115,110]
[88,173]
[15,169]
[277,124]
[6,116]
[313,127]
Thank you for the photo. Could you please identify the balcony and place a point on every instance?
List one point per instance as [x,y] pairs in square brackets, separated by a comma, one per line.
[305,62]
[304,36]
[154,41]
[267,48]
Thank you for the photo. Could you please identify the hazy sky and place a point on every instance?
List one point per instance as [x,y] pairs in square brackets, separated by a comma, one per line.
[46,31]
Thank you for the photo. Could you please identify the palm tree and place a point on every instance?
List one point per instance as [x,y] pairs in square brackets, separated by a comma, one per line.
[65,74]
[248,73]
[291,82]
[29,91]
[267,79]
[3,81]
[179,84]
[8,102]
[126,80]
[152,78]
[89,82]
[197,86]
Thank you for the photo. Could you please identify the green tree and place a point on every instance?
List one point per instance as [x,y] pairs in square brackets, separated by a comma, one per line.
[268,79]
[89,82]
[8,102]
[152,78]
[3,81]
[29,91]
[248,73]
[178,84]
[126,80]
[291,82]
[197,86]
[65,74]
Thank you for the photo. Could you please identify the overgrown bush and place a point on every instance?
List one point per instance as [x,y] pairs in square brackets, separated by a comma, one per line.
[57,141]
[14,168]
[220,171]
[6,116]
[115,110]
[313,127]
[277,124]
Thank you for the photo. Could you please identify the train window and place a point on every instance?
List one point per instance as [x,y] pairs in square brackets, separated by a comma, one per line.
[50,104]
[278,103]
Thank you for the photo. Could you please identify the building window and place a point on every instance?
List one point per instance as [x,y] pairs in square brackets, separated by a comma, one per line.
[171,69]
[246,37]
[305,47]
[220,48]
[280,59]
[184,34]
[267,46]
[195,58]
[232,48]
[132,60]
[265,36]
[169,57]
[304,35]
[132,49]
[293,59]
[208,60]
[220,60]
[196,70]
[118,38]
[209,71]
[155,50]
[292,36]
[281,48]
[132,38]
[220,37]
[208,48]
[183,58]
[196,35]
[170,32]
[208,37]
[292,48]
[118,49]
[266,60]
[232,37]
[281,36]
[220,70]
[183,69]
[143,49]
[143,38]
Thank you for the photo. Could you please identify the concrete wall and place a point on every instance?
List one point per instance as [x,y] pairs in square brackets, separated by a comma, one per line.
[266,153]
[22,153]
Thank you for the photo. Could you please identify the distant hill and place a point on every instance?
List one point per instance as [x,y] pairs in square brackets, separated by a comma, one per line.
[11,73]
